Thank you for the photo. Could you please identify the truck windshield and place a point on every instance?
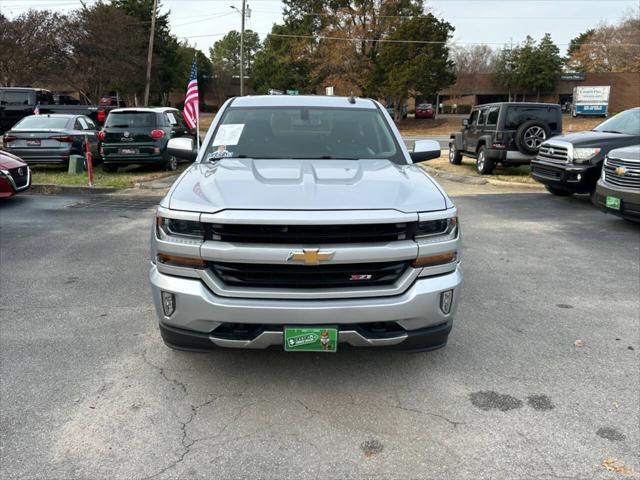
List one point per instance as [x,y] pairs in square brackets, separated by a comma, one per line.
[304,133]
[627,122]
[41,121]
[130,119]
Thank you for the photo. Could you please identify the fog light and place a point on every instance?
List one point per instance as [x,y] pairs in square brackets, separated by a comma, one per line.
[168,303]
[446,300]
[579,177]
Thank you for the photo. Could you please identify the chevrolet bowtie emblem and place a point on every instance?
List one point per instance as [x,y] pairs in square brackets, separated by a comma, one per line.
[310,256]
[621,171]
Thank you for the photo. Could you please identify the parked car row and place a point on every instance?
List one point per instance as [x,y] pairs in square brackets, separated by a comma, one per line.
[17,103]
[129,136]
[603,162]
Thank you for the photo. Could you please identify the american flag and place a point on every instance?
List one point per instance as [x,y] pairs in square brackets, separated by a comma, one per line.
[191,109]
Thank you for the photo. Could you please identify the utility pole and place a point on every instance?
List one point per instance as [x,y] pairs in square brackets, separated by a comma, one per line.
[245,12]
[244,5]
[152,33]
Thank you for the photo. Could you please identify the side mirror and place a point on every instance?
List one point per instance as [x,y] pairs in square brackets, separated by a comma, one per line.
[182,147]
[465,122]
[425,150]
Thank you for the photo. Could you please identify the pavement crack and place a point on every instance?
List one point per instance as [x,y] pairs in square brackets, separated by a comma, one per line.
[163,374]
[307,408]
[186,441]
[431,414]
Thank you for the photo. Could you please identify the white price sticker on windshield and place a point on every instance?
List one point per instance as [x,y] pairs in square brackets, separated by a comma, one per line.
[228,134]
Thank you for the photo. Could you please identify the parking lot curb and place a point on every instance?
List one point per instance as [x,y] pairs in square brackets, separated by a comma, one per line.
[52,189]
[454,177]
[158,184]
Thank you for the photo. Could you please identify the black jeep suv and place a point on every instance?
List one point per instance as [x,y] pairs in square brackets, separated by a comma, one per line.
[509,133]
[572,163]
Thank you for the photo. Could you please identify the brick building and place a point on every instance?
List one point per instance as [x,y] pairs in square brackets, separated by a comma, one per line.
[476,89]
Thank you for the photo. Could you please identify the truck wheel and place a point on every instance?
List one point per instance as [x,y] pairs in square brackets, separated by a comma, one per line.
[485,165]
[558,191]
[109,168]
[455,157]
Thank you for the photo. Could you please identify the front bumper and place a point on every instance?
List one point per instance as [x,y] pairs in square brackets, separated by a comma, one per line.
[574,177]
[9,187]
[629,200]
[43,155]
[199,312]
[509,157]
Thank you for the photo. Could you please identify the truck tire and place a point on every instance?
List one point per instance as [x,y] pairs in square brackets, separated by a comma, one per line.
[558,191]
[171,164]
[484,165]
[455,157]
[530,136]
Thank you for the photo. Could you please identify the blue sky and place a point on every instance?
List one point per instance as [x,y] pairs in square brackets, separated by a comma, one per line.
[477,21]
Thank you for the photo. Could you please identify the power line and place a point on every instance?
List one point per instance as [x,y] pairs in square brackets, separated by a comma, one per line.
[419,42]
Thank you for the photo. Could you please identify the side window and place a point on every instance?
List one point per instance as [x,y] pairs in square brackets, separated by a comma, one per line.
[90,124]
[492,116]
[82,123]
[181,121]
[171,119]
[473,119]
[44,98]
[482,116]
[15,98]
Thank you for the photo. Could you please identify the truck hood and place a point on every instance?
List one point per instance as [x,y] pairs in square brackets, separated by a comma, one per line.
[248,184]
[592,138]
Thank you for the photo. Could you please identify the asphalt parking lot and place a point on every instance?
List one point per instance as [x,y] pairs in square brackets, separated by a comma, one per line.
[540,378]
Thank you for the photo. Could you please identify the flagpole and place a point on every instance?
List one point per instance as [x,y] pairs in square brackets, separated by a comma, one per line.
[198,128]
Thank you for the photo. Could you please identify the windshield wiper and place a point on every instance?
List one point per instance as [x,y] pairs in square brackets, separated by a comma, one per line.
[609,131]
[118,126]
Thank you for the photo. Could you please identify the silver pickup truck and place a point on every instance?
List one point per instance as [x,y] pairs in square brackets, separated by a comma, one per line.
[305,224]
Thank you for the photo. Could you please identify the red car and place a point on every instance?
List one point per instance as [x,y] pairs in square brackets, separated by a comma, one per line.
[424,110]
[15,176]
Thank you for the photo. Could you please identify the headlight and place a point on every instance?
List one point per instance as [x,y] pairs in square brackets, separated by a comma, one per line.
[176,229]
[583,155]
[436,228]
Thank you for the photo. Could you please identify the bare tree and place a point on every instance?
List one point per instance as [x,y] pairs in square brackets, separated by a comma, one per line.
[31,47]
[608,48]
[106,52]
[470,60]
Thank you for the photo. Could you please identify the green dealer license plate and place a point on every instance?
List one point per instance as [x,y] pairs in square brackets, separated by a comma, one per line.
[312,339]
[613,202]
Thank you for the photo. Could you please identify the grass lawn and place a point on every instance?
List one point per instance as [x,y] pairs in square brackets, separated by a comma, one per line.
[444,125]
[125,177]
[520,174]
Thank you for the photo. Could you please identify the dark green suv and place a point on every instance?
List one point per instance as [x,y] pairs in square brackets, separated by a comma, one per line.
[140,136]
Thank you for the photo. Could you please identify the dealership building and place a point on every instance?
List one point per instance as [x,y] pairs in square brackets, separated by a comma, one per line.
[476,89]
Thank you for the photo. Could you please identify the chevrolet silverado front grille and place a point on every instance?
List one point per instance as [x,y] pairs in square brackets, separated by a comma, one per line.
[302,276]
[622,173]
[312,234]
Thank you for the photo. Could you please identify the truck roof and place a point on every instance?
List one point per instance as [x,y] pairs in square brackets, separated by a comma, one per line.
[523,104]
[302,101]
[26,89]
[143,109]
